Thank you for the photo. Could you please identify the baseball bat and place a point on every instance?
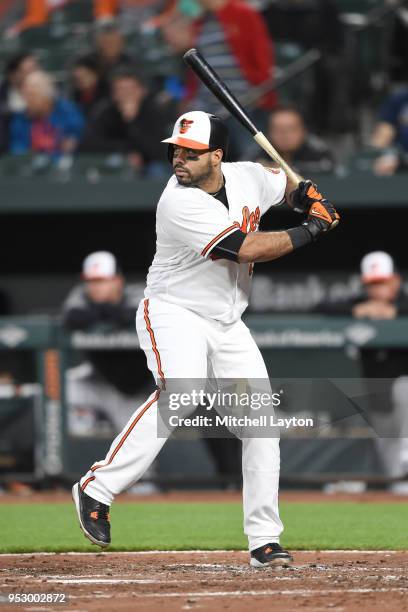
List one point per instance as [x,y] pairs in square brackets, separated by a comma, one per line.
[210,78]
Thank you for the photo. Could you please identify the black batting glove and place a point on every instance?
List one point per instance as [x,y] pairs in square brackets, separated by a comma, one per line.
[322,217]
[304,196]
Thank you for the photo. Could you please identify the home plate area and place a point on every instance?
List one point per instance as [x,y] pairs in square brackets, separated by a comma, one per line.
[193,580]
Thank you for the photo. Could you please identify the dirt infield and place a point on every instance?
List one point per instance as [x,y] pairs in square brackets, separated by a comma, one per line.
[219,580]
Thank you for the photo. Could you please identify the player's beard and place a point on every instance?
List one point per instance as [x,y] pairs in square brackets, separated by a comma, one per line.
[191,179]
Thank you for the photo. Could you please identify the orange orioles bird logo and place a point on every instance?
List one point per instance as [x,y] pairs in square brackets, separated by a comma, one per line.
[185,125]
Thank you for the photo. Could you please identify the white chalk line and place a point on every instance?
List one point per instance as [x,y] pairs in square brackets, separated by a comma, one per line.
[224,571]
[104,553]
[252,593]
[194,552]
[103,580]
[113,581]
[217,568]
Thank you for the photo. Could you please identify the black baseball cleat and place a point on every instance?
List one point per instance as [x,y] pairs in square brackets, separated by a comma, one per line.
[93,517]
[270,555]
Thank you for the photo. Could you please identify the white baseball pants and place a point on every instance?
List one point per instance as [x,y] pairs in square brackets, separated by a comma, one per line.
[180,344]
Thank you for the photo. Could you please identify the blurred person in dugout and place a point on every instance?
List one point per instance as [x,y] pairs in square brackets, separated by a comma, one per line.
[107,383]
[303,151]
[110,384]
[49,124]
[382,298]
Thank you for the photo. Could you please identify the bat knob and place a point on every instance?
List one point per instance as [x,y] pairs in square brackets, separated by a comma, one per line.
[189,54]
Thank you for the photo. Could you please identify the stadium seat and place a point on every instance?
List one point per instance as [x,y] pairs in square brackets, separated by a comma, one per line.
[94,166]
[76,11]
[54,43]
[35,38]
[150,51]
[15,165]
[287,52]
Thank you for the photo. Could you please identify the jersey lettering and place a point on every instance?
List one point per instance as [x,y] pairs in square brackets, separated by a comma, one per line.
[273,170]
[250,220]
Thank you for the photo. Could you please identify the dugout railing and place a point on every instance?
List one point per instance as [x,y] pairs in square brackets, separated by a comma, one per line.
[96,192]
[311,347]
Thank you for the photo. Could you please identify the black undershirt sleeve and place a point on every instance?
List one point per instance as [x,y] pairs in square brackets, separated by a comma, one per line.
[228,247]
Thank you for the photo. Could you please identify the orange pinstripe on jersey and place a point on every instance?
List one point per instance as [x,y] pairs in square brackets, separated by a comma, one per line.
[153,341]
[122,440]
[214,240]
[87,481]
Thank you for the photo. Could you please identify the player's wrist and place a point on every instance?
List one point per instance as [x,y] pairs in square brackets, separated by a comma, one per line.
[299,236]
[306,233]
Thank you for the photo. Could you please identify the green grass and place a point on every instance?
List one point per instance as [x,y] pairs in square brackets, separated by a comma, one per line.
[147,526]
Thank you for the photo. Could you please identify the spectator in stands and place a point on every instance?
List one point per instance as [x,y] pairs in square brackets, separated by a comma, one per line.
[17,68]
[134,14]
[391,134]
[105,9]
[233,37]
[316,24]
[49,125]
[11,100]
[306,153]
[109,53]
[87,85]
[131,124]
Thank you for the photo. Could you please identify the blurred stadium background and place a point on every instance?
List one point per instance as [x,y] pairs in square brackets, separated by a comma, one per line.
[339,66]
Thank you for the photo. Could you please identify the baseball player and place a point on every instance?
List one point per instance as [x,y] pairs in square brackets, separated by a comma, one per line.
[190,319]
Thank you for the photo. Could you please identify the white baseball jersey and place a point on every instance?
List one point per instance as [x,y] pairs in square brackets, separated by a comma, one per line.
[189,225]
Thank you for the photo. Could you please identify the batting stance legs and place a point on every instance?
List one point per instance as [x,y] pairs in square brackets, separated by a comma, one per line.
[180,344]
